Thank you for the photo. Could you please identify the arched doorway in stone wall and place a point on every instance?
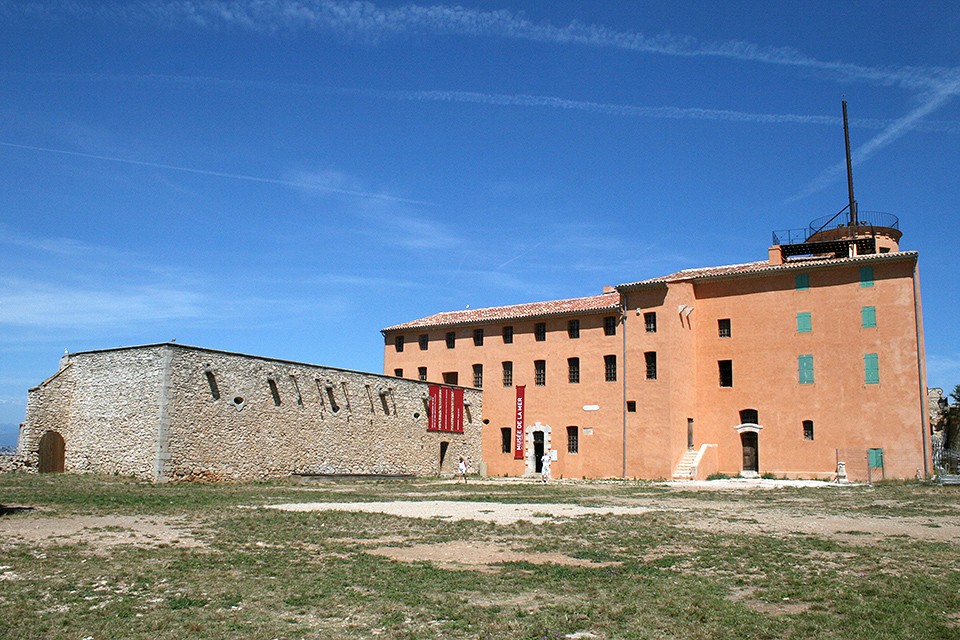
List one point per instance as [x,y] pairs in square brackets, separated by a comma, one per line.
[749,431]
[538,441]
[52,450]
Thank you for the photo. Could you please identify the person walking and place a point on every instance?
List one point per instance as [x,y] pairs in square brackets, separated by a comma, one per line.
[462,470]
[545,467]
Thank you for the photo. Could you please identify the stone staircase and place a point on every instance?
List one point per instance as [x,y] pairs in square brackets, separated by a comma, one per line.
[684,469]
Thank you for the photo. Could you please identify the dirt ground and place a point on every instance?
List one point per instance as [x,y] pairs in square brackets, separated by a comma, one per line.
[726,512]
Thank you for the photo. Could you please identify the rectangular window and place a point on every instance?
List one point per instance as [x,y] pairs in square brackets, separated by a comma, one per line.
[478,376]
[805,369]
[508,335]
[650,321]
[573,329]
[573,370]
[802,281]
[871,368]
[398,343]
[540,331]
[866,277]
[650,357]
[610,368]
[726,372]
[808,429]
[723,328]
[804,322]
[540,372]
[508,374]
[506,441]
[274,391]
[868,317]
[422,374]
[398,373]
[478,337]
[610,326]
[451,339]
[451,377]
[573,439]
[424,341]
[631,406]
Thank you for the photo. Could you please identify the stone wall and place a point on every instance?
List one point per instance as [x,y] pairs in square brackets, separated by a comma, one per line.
[172,412]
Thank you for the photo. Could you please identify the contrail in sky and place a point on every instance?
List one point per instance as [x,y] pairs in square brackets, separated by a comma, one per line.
[300,184]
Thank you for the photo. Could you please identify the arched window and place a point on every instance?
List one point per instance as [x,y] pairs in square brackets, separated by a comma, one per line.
[749,416]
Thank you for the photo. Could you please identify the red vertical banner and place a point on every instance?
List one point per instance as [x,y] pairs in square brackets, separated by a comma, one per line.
[446,409]
[518,436]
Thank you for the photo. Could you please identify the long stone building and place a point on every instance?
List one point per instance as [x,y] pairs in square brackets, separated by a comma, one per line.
[807,364]
[173,412]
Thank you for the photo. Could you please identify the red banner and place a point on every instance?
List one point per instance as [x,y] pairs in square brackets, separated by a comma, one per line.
[518,437]
[446,409]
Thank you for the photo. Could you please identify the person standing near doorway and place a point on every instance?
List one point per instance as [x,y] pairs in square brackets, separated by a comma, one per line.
[545,467]
[462,470]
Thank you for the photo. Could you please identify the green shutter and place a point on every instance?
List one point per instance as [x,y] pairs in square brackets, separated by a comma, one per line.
[804,322]
[805,368]
[871,369]
[802,281]
[866,276]
[868,317]
[875,457]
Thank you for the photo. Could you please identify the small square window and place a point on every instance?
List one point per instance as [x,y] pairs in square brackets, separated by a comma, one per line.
[723,328]
[610,326]
[451,339]
[650,321]
[808,429]
[631,406]
[422,374]
[573,329]
[610,368]
[540,331]
[573,370]
[451,377]
[478,337]
[398,373]
[508,335]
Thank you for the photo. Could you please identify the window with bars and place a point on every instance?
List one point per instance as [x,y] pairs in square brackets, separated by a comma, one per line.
[650,321]
[723,328]
[610,326]
[540,372]
[573,329]
[610,368]
[650,359]
[507,374]
[573,370]
[540,331]
[478,376]
[422,374]
[573,439]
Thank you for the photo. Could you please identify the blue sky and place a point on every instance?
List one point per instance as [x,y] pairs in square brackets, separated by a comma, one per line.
[287,178]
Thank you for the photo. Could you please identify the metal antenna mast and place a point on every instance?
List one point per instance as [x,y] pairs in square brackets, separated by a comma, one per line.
[846,138]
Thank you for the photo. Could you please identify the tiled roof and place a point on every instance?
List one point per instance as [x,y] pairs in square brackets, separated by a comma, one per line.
[602,302]
[763,267]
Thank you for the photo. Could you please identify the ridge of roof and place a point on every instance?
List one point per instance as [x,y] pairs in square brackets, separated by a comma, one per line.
[601,302]
[762,266]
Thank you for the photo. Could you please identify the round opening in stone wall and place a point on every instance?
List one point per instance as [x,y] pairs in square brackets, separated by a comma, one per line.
[416,415]
[238,403]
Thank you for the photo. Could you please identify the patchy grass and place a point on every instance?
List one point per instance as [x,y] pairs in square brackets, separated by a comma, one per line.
[261,573]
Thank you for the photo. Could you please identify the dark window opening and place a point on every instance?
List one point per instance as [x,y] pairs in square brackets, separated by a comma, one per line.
[749,416]
[723,327]
[808,429]
[573,370]
[451,339]
[398,373]
[212,382]
[506,440]
[422,374]
[631,406]
[508,374]
[398,343]
[573,439]
[478,337]
[540,372]
[573,329]
[478,376]
[540,331]
[424,341]
[451,377]
[610,368]
[296,388]
[650,321]
[650,358]
[726,372]
[610,326]
[508,335]
[274,391]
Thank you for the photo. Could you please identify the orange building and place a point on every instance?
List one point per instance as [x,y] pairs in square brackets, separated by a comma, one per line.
[808,364]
